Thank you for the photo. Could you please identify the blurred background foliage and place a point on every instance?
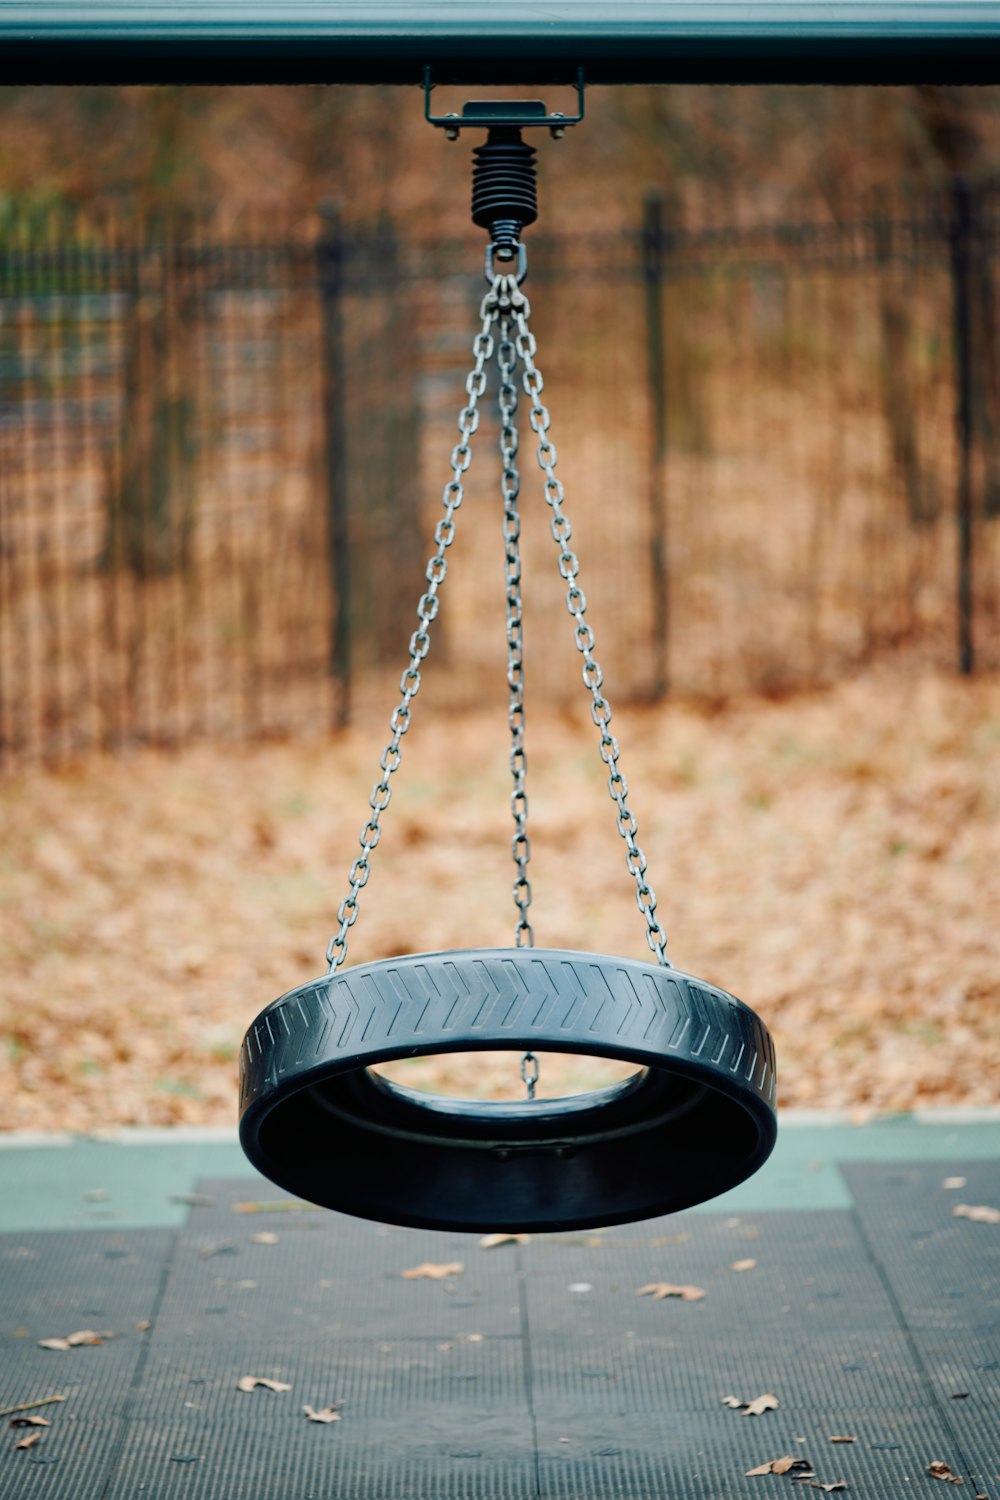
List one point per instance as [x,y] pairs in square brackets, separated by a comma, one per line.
[280,150]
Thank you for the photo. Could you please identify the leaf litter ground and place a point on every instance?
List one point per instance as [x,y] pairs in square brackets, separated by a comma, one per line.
[830,858]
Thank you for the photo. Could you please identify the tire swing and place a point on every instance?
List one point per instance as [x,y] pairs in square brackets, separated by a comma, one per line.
[698,1115]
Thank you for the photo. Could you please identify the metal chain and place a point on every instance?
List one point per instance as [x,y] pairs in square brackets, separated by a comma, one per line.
[510,485]
[576,603]
[437,567]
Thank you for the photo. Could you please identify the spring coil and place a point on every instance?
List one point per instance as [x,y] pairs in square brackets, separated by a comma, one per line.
[504,188]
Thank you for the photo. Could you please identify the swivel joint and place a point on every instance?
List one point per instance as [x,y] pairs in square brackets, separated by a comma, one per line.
[504,189]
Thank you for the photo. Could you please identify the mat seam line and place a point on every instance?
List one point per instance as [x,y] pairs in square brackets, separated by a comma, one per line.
[527,1364]
[140,1365]
[914,1348]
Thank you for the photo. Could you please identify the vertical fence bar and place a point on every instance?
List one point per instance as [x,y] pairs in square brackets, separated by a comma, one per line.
[331,282]
[963,224]
[652,261]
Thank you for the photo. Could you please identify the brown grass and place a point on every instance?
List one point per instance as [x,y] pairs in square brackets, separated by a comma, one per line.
[831,858]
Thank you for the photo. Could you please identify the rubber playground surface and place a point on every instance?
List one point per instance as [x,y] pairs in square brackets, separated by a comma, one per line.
[855,1281]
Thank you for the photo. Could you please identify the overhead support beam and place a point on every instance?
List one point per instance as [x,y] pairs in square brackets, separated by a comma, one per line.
[484,41]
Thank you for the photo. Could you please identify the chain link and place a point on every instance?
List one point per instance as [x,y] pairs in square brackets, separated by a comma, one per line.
[510,485]
[576,603]
[409,684]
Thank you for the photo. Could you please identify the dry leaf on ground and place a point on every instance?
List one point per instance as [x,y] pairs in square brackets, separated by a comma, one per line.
[816,1484]
[841,1437]
[780,1466]
[221,1247]
[30,1422]
[660,1289]
[251,1382]
[755,1408]
[491,1241]
[939,1470]
[279,1206]
[74,1340]
[953,1183]
[433,1271]
[29,1441]
[267,1238]
[761,1404]
[325,1413]
[742,1265]
[980,1212]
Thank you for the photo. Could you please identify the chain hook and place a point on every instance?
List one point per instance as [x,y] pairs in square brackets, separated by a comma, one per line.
[529,1073]
[494,253]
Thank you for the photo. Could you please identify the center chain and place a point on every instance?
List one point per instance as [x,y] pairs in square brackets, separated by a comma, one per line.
[510,487]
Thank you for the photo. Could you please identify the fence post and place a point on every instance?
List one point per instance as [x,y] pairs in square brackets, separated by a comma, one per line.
[963,226]
[653,246]
[330,251]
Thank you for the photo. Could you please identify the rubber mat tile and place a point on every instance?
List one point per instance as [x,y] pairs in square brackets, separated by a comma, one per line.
[60,1281]
[943,1272]
[873,1371]
[71,1461]
[232,1309]
[963,1371]
[419,1452]
[645,1458]
[824,1280]
[344,1274]
[374,1380]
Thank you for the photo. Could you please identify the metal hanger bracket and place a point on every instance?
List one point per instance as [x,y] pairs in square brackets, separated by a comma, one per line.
[516,114]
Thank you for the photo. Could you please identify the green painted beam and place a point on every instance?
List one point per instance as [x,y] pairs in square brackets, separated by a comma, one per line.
[482,41]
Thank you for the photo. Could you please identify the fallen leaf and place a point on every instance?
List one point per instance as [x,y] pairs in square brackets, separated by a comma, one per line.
[491,1241]
[29,1441]
[841,1437]
[30,1422]
[980,1212]
[780,1466]
[760,1404]
[814,1484]
[73,1340]
[193,1200]
[266,1238]
[742,1265]
[660,1289]
[951,1183]
[325,1414]
[939,1470]
[221,1247]
[734,1402]
[144,1326]
[251,1382]
[279,1206]
[432,1271]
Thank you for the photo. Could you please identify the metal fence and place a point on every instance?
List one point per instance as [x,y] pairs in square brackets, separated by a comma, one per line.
[221,462]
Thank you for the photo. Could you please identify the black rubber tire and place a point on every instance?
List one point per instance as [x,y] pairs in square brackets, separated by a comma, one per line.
[697,1121]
